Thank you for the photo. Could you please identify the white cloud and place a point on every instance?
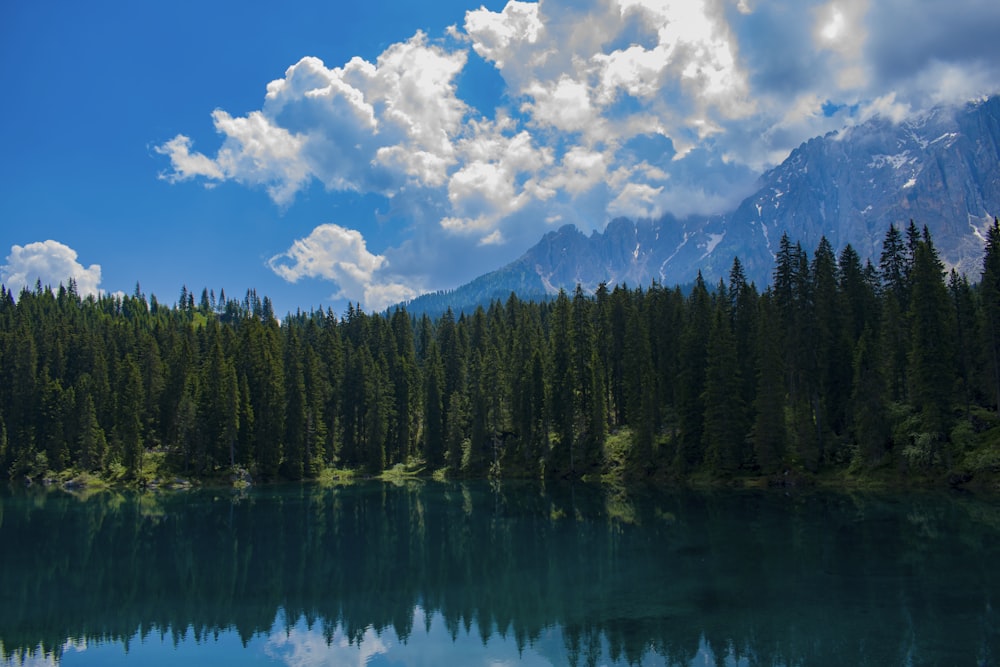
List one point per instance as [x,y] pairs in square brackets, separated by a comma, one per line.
[497,36]
[255,152]
[301,647]
[564,105]
[840,29]
[696,43]
[51,262]
[493,238]
[185,164]
[609,107]
[581,169]
[636,200]
[258,152]
[362,127]
[340,255]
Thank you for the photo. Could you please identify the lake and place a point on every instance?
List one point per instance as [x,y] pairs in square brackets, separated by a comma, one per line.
[428,573]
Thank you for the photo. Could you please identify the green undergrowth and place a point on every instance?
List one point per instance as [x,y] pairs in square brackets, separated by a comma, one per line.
[973,462]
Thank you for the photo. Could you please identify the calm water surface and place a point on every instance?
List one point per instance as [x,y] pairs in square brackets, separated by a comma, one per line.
[466,574]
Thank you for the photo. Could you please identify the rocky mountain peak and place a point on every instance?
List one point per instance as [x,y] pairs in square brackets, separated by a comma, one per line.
[940,169]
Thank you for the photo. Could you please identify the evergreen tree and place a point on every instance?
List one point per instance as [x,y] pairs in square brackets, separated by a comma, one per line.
[931,375]
[562,400]
[965,335]
[724,427]
[691,379]
[457,435]
[640,400]
[833,355]
[405,381]
[894,269]
[990,289]
[293,465]
[316,397]
[617,316]
[377,402]
[867,415]
[433,433]
[769,430]
[590,412]
[130,418]
[265,373]
[743,300]
[595,432]
[479,431]
[857,298]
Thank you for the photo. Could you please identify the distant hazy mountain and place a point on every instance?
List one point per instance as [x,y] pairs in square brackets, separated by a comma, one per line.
[941,170]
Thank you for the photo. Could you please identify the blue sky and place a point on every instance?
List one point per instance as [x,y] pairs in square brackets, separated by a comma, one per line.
[370,151]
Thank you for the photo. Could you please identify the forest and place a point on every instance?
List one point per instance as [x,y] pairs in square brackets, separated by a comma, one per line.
[839,367]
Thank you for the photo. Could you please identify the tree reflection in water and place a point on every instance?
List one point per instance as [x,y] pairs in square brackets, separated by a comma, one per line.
[573,574]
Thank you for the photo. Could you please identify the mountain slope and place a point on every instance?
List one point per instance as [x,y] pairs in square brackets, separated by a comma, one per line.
[941,169]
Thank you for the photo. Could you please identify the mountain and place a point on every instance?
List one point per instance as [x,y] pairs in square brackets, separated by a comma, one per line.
[940,169]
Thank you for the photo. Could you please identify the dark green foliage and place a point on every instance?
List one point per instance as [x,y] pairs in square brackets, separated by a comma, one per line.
[931,366]
[835,366]
[769,432]
[562,403]
[433,435]
[869,424]
[990,287]
[724,430]
[691,377]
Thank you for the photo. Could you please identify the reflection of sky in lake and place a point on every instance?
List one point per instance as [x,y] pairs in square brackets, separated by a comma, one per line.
[299,645]
[468,574]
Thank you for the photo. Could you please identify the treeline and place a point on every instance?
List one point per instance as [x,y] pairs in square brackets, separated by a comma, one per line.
[837,364]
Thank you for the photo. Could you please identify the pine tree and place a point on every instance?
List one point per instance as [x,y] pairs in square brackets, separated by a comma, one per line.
[479,431]
[691,379]
[990,289]
[562,403]
[833,357]
[724,427]
[965,335]
[457,434]
[433,433]
[931,375]
[617,316]
[769,430]
[92,443]
[640,400]
[857,298]
[743,300]
[377,401]
[404,377]
[293,465]
[316,397]
[595,432]
[590,411]
[265,373]
[867,415]
[894,270]
[130,418]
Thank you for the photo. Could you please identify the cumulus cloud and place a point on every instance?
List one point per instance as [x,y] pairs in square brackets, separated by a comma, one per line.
[341,255]
[610,107]
[52,263]
[366,127]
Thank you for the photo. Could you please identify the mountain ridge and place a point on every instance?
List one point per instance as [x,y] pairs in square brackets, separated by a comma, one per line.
[940,169]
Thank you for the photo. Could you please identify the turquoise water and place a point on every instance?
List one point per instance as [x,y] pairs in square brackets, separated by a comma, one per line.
[468,574]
